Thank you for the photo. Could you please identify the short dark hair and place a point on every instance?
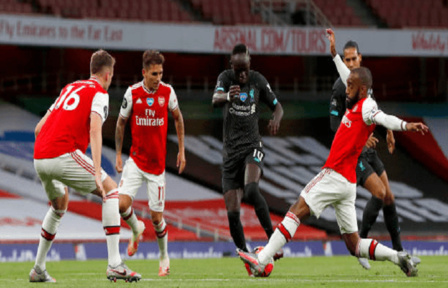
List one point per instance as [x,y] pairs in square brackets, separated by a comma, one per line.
[240,48]
[365,76]
[99,60]
[152,57]
[352,44]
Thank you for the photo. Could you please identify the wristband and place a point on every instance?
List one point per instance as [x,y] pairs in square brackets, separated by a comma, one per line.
[228,96]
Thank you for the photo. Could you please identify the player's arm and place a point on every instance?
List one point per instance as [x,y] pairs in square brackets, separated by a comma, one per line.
[274,123]
[371,115]
[179,123]
[390,139]
[119,135]
[41,124]
[125,112]
[173,106]
[224,91]
[99,112]
[268,96]
[343,71]
[96,143]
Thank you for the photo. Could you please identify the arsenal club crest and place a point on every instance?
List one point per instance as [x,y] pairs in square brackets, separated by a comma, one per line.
[161,101]
[150,101]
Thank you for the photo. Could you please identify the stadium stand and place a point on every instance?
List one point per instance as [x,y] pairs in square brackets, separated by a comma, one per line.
[231,12]
[339,13]
[15,7]
[413,13]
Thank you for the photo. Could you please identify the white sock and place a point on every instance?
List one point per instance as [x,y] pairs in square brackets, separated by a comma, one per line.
[371,249]
[162,238]
[111,225]
[130,218]
[49,228]
[282,234]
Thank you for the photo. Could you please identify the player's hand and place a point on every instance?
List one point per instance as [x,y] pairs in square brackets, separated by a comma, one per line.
[390,141]
[118,163]
[181,162]
[234,92]
[273,126]
[99,185]
[332,38]
[417,127]
[371,142]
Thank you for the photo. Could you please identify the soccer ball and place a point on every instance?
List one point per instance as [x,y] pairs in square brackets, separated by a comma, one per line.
[267,269]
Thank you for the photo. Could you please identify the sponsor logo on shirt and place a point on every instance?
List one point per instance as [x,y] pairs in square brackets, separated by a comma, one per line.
[147,121]
[161,101]
[139,101]
[150,101]
[241,110]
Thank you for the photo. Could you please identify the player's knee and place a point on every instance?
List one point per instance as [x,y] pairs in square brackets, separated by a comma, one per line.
[156,218]
[379,191]
[251,190]
[389,198]
[124,203]
[232,202]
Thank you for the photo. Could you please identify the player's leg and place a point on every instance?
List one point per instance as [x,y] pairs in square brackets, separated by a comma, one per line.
[57,193]
[156,195]
[373,250]
[365,248]
[79,174]
[232,184]
[282,235]
[252,193]
[232,199]
[367,178]
[390,215]
[312,200]
[161,230]
[131,180]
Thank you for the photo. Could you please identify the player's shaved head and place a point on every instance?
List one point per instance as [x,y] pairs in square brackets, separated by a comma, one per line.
[100,60]
[152,57]
[240,54]
[364,76]
[240,61]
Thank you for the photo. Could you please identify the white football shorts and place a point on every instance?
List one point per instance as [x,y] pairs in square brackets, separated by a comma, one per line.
[133,178]
[331,188]
[73,169]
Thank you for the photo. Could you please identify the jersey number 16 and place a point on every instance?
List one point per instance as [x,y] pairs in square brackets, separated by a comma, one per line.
[71,102]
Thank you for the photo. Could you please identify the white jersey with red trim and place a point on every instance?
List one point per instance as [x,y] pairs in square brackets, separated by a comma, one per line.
[148,112]
[67,128]
[356,127]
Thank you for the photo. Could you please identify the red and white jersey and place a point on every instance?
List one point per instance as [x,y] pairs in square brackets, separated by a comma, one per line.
[148,113]
[356,127]
[67,128]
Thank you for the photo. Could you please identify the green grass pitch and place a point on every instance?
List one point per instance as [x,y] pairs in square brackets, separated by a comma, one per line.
[341,271]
